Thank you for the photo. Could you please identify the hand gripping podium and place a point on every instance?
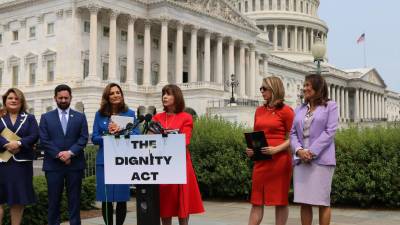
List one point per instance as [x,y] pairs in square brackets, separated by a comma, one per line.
[146,161]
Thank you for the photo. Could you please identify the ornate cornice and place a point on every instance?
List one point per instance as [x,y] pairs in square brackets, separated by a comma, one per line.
[218,9]
[114,14]
[93,8]
[132,18]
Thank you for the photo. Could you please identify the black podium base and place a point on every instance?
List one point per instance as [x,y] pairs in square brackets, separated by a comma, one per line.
[148,204]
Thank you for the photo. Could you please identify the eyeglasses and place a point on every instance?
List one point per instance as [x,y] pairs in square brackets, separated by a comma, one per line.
[262,89]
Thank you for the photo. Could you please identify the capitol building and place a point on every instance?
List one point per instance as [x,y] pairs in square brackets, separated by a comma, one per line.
[196,44]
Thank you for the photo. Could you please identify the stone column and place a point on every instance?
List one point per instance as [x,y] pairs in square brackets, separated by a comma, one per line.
[275,37]
[384,108]
[179,53]
[361,104]
[231,57]
[357,103]
[219,59]
[311,38]
[147,53]
[375,105]
[337,91]
[130,64]
[347,104]
[252,70]
[112,47]
[379,106]
[207,56]
[250,6]
[295,39]
[247,55]
[342,102]
[242,70]
[164,52]
[193,55]
[369,105]
[372,105]
[283,5]
[285,39]
[93,43]
[365,111]
[258,5]
[258,81]
[329,91]
[265,65]
[274,5]
[304,39]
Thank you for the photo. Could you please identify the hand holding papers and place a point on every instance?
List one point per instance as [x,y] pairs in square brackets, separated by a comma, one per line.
[9,136]
[256,141]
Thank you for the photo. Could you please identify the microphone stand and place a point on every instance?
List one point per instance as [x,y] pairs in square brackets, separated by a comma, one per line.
[147,197]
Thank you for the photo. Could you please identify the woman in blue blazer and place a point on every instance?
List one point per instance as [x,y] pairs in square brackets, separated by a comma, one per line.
[16,188]
[112,103]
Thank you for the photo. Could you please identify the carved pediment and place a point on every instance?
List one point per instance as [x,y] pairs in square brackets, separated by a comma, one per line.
[31,55]
[13,60]
[373,76]
[48,52]
[221,9]
[31,58]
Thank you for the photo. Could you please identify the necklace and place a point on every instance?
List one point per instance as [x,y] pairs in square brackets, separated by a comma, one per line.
[171,121]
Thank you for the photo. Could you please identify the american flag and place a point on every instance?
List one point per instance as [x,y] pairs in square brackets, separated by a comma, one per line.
[361,38]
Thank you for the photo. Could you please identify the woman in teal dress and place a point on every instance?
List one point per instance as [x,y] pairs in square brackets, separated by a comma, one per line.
[112,103]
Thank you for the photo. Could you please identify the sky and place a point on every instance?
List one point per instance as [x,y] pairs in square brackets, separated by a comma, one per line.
[379,20]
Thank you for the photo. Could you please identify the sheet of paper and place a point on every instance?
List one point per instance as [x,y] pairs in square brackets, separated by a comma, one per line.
[121,121]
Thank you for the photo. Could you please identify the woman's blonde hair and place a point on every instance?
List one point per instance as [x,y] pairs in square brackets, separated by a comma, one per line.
[278,91]
[21,98]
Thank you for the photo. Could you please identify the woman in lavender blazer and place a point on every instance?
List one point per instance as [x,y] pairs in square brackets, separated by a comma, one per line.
[312,139]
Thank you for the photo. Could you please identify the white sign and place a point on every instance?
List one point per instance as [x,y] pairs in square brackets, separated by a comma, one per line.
[145,159]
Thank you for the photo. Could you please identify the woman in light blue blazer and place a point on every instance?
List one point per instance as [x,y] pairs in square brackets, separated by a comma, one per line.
[312,139]
[112,103]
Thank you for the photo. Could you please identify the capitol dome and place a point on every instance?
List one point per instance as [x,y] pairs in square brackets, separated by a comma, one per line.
[290,25]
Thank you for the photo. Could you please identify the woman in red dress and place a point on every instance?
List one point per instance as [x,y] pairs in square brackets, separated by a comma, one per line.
[271,178]
[179,200]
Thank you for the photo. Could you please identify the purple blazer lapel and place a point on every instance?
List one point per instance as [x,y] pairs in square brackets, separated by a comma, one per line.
[302,114]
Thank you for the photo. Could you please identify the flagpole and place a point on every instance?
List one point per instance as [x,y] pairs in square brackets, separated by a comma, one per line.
[365,54]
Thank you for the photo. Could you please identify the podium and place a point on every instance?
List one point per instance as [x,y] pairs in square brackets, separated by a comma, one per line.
[145,161]
[148,204]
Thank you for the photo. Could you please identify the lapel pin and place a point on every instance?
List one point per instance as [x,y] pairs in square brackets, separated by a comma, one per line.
[72,115]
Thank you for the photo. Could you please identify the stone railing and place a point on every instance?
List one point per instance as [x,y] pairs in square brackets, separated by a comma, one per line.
[238,102]
[201,85]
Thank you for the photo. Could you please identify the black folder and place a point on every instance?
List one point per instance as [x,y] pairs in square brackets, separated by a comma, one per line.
[256,140]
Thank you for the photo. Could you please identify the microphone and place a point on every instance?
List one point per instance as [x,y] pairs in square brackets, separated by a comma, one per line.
[148,117]
[129,127]
[156,128]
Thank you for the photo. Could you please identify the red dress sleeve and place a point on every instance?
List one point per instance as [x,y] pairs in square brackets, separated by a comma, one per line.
[288,117]
[187,127]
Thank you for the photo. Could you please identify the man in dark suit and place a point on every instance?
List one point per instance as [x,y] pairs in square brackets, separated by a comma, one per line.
[63,135]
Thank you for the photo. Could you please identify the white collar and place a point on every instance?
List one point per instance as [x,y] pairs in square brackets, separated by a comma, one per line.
[60,111]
